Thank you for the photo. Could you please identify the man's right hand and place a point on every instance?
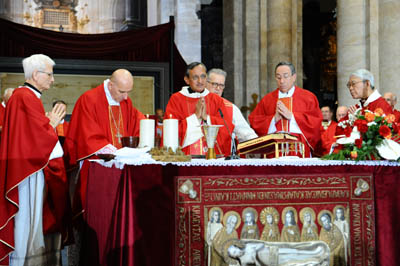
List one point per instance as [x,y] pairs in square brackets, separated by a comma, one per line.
[57,114]
[201,111]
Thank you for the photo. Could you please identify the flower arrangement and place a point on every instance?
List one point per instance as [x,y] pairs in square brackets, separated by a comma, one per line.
[367,135]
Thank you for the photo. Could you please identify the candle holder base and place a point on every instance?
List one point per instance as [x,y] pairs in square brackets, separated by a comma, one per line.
[211,154]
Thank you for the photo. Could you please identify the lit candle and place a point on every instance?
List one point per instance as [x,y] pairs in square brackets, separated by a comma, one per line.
[170,133]
[147,127]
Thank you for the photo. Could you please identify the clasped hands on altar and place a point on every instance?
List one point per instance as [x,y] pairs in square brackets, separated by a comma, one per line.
[282,111]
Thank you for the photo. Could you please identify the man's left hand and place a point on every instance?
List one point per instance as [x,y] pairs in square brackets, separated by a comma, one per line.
[56,115]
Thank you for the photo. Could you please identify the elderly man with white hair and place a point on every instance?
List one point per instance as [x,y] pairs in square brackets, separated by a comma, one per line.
[362,87]
[34,194]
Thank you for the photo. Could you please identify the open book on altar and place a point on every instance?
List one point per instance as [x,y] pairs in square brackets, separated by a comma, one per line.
[273,145]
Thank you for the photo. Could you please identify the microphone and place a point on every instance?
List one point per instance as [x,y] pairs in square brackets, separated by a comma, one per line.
[233,155]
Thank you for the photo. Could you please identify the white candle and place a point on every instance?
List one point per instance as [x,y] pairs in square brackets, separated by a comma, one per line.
[170,133]
[147,127]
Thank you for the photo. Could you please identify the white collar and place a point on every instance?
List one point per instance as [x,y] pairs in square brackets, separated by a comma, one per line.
[289,93]
[35,92]
[184,91]
[110,100]
[373,97]
[4,105]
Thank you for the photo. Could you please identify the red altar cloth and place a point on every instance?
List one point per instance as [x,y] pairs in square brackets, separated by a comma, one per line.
[143,197]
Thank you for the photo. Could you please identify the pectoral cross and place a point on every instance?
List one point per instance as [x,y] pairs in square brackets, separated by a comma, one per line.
[119,136]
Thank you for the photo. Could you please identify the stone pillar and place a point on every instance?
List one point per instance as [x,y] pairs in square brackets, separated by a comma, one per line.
[351,44]
[188,29]
[284,38]
[251,36]
[389,46]
[233,50]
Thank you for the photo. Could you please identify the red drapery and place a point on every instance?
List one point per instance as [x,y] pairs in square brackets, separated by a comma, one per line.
[143,195]
[148,45]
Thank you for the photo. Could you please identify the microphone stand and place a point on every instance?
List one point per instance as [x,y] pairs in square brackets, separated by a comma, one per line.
[233,155]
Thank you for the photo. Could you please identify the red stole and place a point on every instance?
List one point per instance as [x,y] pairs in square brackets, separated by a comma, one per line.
[283,124]
[62,129]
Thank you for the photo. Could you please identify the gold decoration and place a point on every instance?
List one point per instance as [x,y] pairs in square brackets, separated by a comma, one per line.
[276,181]
[167,155]
[269,210]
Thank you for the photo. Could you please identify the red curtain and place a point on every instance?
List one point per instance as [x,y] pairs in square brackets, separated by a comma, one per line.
[147,45]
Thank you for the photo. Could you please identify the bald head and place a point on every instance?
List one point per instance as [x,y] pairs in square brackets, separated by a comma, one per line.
[7,94]
[341,112]
[121,83]
[390,98]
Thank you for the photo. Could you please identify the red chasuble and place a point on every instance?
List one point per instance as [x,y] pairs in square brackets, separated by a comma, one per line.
[26,144]
[181,107]
[305,109]
[327,139]
[90,125]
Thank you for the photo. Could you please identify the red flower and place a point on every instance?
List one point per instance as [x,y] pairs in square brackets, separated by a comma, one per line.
[395,128]
[353,154]
[361,125]
[347,131]
[384,131]
[358,143]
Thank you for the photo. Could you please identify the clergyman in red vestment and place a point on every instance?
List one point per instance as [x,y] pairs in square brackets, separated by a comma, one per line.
[290,109]
[328,129]
[34,192]
[100,118]
[391,99]
[216,84]
[194,106]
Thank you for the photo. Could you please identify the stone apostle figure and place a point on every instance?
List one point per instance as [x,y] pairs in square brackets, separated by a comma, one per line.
[290,230]
[270,232]
[250,229]
[332,236]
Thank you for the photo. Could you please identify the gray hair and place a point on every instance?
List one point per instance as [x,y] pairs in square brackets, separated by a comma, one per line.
[36,62]
[364,75]
[217,71]
[290,65]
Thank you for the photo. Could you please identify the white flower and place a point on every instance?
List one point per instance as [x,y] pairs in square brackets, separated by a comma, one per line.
[373,123]
[389,149]
[355,134]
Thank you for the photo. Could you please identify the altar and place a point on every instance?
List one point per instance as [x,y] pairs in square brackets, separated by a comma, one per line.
[142,213]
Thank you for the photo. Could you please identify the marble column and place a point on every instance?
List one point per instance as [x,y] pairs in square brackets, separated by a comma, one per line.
[351,44]
[389,46]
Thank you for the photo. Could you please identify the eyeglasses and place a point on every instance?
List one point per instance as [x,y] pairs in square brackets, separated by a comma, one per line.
[352,84]
[50,74]
[214,84]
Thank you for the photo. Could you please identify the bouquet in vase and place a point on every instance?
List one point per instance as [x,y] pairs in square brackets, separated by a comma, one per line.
[367,135]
